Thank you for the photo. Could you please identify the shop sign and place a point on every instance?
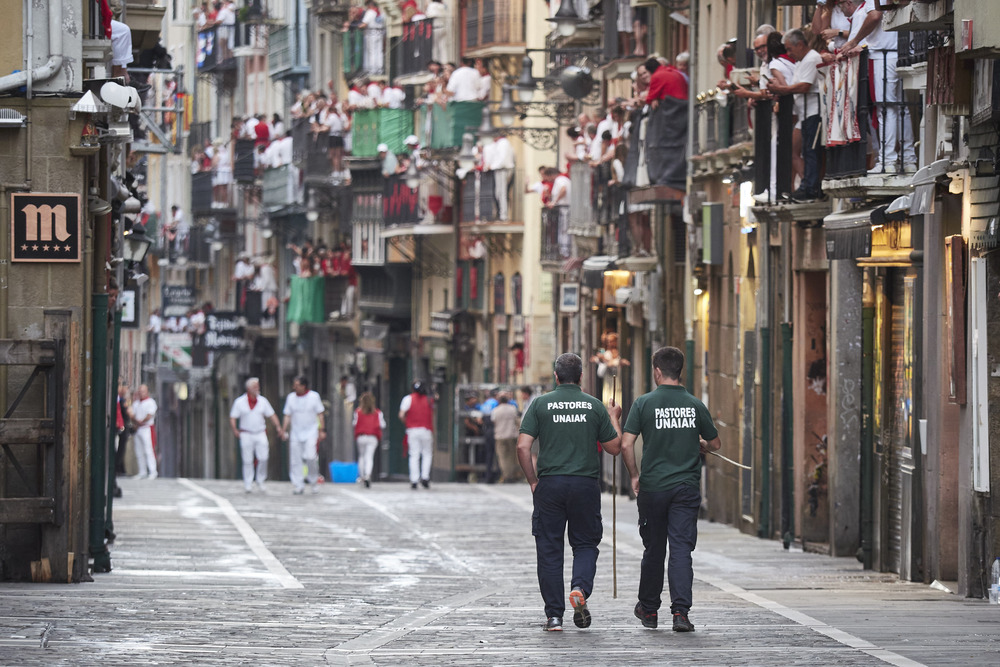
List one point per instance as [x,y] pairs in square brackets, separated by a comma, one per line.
[177,300]
[45,227]
[373,337]
[440,322]
[224,331]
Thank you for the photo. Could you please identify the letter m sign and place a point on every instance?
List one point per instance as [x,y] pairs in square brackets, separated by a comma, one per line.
[45,227]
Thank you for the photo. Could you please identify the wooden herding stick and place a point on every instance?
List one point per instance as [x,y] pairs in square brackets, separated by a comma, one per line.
[614,508]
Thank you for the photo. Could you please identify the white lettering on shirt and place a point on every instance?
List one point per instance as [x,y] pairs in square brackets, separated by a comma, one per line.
[675,418]
[565,419]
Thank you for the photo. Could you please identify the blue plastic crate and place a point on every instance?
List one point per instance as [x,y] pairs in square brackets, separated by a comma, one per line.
[342,472]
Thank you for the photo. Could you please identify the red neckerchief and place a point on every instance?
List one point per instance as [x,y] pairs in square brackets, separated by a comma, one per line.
[252,400]
[785,56]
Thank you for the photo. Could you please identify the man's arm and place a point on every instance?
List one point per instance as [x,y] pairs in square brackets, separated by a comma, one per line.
[872,19]
[286,424]
[614,446]
[277,424]
[707,446]
[236,430]
[628,456]
[801,87]
[524,458]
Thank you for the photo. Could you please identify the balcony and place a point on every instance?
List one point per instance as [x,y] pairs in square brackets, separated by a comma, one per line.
[494,27]
[449,123]
[288,56]
[415,48]
[280,188]
[372,127]
[307,300]
[599,210]
[556,242]
[400,204]
[367,192]
[481,202]
[364,52]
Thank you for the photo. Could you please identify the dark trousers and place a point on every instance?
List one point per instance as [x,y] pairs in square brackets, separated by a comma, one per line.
[563,501]
[120,452]
[668,516]
[811,152]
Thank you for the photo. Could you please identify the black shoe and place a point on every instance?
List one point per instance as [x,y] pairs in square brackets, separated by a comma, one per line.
[117,492]
[801,196]
[581,615]
[682,624]
[426,483]
[413,486]
[648,618]
[368,484]
[554,624]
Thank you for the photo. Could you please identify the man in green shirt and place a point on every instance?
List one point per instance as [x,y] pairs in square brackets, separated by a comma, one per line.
[676,430]
[567,490]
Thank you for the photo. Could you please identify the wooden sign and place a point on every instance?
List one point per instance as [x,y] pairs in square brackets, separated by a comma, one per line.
[45,227]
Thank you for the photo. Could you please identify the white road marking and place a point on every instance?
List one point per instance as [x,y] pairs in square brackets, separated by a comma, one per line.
[252,539]
[797,617]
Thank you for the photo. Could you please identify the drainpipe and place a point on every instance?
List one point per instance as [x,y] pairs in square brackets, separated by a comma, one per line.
[787,397]
[867,434]
[689,349]
[55,61]
[98,436]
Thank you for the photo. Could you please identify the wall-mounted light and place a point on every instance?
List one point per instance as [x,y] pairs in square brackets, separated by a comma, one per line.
[136,245]
[566,19]
[467,156]
[526,86]
[507,111]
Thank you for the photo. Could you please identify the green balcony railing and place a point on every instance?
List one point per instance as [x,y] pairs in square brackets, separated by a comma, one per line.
[372,127]
[306,303]
[448,124]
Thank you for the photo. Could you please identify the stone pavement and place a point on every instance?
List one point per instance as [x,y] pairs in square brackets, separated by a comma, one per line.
[206,574]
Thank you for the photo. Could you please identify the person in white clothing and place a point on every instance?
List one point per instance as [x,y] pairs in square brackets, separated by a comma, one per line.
[485,80]
[303,427]
[393,97]
[501,163]
[369,425]
[143,416]
[252,411]
[464,83]
[417,411]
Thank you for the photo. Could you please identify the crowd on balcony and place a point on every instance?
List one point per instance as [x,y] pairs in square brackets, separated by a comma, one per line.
[470,82]
[316,260]
[817,64]
[191,321]
[256,275]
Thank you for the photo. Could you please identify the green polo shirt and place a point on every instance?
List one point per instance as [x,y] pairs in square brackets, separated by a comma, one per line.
[568,424]
[670,421]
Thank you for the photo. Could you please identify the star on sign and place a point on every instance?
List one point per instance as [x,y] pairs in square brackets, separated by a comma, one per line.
[69,248]
[34,247]
[24,247]
[45,248]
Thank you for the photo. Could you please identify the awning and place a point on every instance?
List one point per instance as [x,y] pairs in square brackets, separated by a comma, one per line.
[594,268]
[848,234]
[417,230]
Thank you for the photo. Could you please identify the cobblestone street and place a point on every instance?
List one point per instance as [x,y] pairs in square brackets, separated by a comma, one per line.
[206,574]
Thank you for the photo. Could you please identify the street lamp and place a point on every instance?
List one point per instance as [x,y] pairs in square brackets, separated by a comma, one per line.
[507,111]
[136,245]
[566,19]
[467,156]
[412,174]
[526,85]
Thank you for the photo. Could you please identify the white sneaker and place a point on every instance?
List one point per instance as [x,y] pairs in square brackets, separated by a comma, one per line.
[153,475]
[762,197]
[260,485]
[315,488]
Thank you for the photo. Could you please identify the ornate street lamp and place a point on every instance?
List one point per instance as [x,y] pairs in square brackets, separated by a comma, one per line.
[566,19]
[136,245]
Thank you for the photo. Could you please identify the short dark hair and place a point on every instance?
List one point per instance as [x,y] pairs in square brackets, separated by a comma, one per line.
[569,368]
[670,361]
[302,380]
[775,47]
[651,65]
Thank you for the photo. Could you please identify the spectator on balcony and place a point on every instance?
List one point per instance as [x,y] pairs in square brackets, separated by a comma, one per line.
[279,152]
[222,173]
[200,15]
[121,49]
[866,31]
[374,25]
[438,12]
[393,97]
[409,10]
[374,92]
[485,80]
[347,303]
[830,21]
[277,126]
[262,132]
[727,58]
[357,96]
[181,229]
[498,157]
[387,159]
[760,93]
[664,81]
[805,86]
[225,19]
[464,83]
[541,187]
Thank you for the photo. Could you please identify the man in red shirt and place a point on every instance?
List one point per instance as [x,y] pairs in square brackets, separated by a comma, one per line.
[664,81]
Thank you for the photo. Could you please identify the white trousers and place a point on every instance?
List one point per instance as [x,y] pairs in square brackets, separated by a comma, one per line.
[302,451]
[144,456]
[421,444]
[501,182]
[367,444]
[251,445]
[887,89]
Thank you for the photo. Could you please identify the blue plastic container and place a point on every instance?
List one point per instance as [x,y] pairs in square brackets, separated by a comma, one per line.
[342,472]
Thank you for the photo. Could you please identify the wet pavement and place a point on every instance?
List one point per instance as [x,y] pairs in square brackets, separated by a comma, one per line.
[206,574]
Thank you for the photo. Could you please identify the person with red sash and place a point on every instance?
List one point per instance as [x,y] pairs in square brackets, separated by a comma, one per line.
[368,426]
[417,412]
[253,410]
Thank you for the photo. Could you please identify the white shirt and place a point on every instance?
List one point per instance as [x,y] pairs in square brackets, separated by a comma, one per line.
[500,156]
[252,420]
[374,91]
[334,121]
[304,411]
[143,409]
[155,324]
[357,99]
[840,22]
[560,191]
[279,153]
[805,71]
[121,43]
[393,97]
[878,39]
[463,84]
[226,16]
[484,85]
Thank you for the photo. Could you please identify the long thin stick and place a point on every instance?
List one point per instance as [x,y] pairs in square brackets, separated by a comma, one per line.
[614,510]
[729,460]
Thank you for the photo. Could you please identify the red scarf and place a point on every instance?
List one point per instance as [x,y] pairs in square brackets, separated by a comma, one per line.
[252,400]
[106,17]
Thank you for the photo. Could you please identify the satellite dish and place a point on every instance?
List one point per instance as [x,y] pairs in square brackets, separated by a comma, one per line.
[577,82]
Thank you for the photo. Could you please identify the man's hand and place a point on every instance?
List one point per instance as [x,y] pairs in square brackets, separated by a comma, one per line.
[533,485]
[614,410]
[635,486]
